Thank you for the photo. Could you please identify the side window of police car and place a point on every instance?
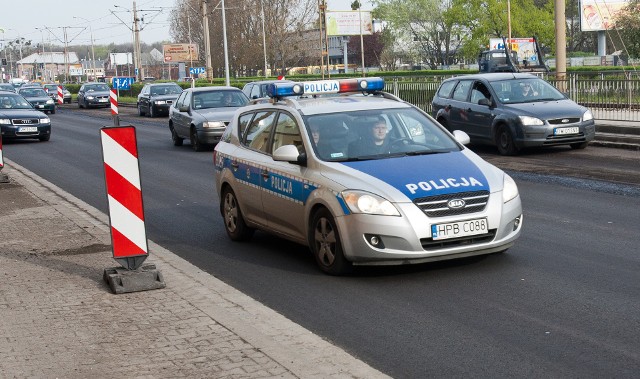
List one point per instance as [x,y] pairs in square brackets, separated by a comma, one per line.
[287,133]
[258,132]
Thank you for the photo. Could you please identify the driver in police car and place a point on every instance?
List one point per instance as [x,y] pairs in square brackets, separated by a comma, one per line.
[374,143]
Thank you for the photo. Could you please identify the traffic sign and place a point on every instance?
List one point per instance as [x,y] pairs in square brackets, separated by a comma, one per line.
[196,70]
[122,82]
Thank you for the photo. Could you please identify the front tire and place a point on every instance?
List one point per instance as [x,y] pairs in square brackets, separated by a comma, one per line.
[504,141]
[324,241]
[152,114]
[177,141]
[140,111]
[195,142]
[234,222]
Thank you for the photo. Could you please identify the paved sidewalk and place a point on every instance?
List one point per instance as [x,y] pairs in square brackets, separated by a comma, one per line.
[61,320]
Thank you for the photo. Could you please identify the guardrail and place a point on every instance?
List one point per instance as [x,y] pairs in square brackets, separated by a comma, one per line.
[608,99]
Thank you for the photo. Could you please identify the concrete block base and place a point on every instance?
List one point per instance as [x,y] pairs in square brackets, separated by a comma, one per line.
[143,278]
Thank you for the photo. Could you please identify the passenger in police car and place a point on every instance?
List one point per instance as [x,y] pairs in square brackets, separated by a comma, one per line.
[374,142]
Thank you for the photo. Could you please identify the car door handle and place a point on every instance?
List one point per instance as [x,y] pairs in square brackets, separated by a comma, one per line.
[235,165]
[265,174]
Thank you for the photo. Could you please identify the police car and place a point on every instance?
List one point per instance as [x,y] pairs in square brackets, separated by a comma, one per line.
[309,166]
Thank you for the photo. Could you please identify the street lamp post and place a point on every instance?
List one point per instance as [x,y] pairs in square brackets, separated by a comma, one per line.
[224,41]
[264,40]
[93,54]
[356,5]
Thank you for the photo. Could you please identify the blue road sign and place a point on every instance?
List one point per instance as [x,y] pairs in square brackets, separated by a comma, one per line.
[122,82]
[196,70]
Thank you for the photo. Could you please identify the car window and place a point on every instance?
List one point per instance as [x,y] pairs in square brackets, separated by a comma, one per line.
[255,92]
[259,130]
[479,92]
[462,90]
[180,101]
[243,123]
[445,89]
[287,132]
[33,92]
[97,87]
[511,91]
[14,102]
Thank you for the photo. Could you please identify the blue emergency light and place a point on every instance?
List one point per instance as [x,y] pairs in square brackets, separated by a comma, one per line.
[319,87]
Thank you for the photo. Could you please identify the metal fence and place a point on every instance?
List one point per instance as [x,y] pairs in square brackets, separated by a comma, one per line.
[609,99]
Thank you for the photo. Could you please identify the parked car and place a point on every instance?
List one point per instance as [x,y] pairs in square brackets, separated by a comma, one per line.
[52,90]
[360,179]
[156,98]
[94,94]
[20,120]
[494,109]
[38,98]
[7,87]
[202,114]
[258,89]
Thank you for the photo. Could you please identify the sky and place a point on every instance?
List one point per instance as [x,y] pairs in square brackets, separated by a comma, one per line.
[111,20]
[46,20]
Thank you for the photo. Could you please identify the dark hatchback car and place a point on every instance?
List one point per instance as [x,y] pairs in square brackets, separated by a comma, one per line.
[19,120]
[38,98]
[258,90]
[156,98]
[52,91]
[512,111]
[202,114]
[94,94]
[7,87]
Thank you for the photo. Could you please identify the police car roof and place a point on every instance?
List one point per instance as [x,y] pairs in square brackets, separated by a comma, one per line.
[341,103]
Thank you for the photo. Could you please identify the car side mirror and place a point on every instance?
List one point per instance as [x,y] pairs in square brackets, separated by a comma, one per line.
[484,101]
[289,153]
[184,108]
[461,137]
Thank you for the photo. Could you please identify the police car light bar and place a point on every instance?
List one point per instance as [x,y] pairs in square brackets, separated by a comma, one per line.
[318,87]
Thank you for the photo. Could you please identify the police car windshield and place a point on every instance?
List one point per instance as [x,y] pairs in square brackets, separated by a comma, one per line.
[376,134]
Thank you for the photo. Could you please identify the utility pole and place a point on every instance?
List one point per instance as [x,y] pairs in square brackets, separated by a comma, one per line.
[138,57]
[93,54]
[561,46]
[207,40]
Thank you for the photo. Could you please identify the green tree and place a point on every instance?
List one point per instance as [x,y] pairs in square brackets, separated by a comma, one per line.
[485,19]
[627,26]
[423,28]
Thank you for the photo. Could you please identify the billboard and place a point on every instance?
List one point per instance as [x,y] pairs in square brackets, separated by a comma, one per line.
[347,23]
[598,15]
[180,52]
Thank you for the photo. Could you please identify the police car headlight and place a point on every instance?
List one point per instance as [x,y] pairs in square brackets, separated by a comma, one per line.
[530,121]
[587,116]
[160,102]
[213,124]
[368,203]
[509,190]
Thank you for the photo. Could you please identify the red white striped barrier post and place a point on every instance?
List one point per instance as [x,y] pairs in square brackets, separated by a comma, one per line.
[114,107]
[60,95]
[126,213]
[124,195]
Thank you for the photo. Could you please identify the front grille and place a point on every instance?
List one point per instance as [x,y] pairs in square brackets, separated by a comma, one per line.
[25,121]
[430,244]
[436,206]
[169,101]
[561,121]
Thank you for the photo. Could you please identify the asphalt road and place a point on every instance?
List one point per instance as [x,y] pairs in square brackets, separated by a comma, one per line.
[563,302]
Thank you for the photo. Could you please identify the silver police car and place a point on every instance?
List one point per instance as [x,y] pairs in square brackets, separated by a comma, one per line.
[361,178]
